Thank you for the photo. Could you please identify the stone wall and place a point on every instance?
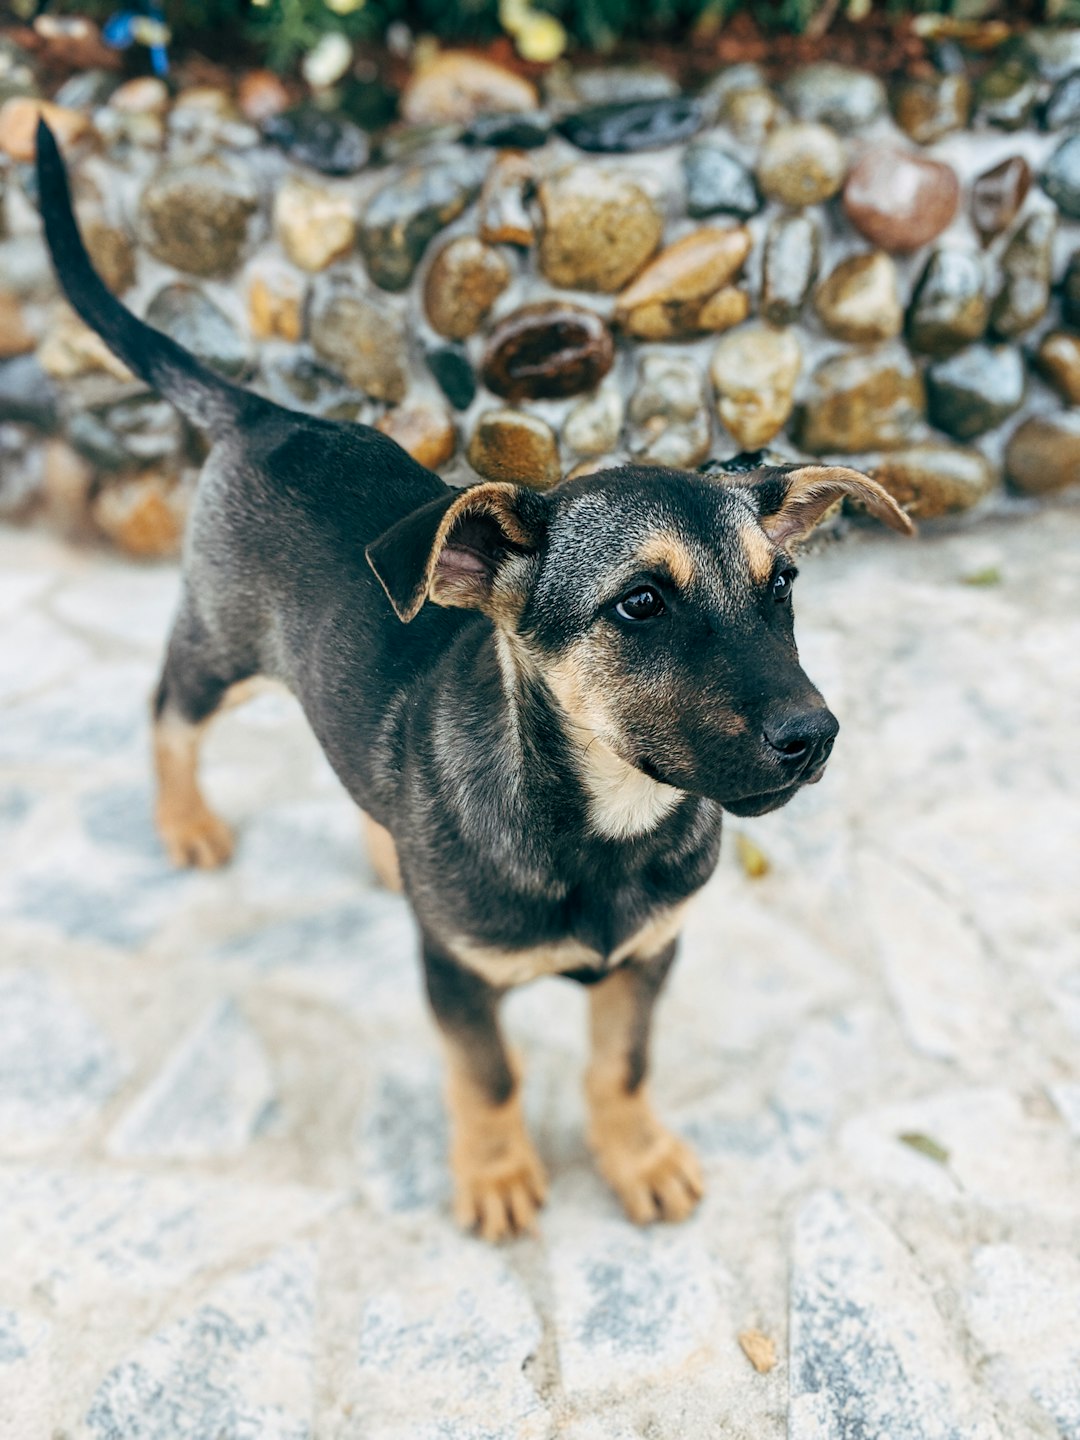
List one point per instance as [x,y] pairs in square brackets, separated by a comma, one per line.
[520,282]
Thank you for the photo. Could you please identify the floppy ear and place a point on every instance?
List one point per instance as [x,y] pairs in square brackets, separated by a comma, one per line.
[792,499]
[458,550]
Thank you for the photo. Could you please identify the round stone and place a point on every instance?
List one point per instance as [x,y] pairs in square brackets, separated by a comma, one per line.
[975,390]
[196,217]
[865,400]
[599,229]
[1006,93]
[669,421]
[192,319]
[929,481]
[717,183]
[144,515]
[407,212]
[547,350]
[1062,108]
[632,125]
[112,250]
[801,164]
[594,424]
[789,266]
[457,86]
[1055,50]
[316,226]
[755,370]
[261,94]
[27,394]
[751,115]
[669,298]
[16,336]
[276,296]
[949,308]
[321,139]
[842,96]
[505,218]
[1059,360]
[513,446]
[1061,178]
[899,200]
[606,84]
[464,281]
[18,126]
[525,130]
[1026,268]
[928,107]
[450,366]
[425,432]
[859,300]
[361,337]
[145,95]
[1043,454]
[997,194]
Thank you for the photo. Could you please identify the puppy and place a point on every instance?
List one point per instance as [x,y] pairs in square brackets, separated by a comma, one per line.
[543,701]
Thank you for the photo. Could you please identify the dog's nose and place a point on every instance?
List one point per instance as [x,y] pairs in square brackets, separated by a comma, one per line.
[802,740]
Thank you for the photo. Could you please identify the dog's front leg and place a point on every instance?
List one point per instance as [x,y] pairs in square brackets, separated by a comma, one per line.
[654,1173]
[499,1183]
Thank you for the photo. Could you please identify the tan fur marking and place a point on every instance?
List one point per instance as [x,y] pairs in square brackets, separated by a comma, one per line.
[382,853]
[499,1182]
[494,498]
[190,831]
[667,551]
[760,553]
[655,1174]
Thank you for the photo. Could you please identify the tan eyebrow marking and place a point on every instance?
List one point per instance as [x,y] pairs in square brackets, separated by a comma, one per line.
[669,551]
[760,553]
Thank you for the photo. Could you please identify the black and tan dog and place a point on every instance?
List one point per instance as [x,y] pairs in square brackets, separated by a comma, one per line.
[546,750]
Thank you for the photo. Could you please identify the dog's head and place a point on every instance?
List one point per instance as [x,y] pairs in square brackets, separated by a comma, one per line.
[655,605]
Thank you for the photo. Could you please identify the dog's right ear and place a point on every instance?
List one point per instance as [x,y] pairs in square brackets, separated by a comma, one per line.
[459,550]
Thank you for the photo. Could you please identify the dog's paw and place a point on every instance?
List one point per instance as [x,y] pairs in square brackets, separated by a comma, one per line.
[195,838]
[660,1180]
[500,1198]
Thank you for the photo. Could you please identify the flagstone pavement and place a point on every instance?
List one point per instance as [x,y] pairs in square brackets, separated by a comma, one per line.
[223,1190]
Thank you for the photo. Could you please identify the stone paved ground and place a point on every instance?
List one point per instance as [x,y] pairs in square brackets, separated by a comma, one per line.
[223,1198]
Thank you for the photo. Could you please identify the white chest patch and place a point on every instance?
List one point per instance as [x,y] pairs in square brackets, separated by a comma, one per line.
[623,802]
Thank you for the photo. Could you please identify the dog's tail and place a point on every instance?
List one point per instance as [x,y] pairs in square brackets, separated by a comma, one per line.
[202,397]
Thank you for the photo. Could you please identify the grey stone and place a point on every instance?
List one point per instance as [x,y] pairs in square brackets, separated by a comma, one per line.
[950,307]
[406,213]
[1027,272]
[1061,177]
[1005,95]
[717,182]
[668,414]
[192,319]
[790,266]
[975,389]
[197,216]
[26,393]
[361,336]
[842,96]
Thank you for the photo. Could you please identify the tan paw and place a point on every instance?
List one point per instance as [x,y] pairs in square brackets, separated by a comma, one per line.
[195,838]
[500,1198]
[660,1181]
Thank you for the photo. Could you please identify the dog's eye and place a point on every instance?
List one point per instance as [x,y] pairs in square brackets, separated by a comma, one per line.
[643,604]
[781,585]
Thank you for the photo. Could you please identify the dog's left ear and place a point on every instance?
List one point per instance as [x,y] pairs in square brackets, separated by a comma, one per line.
[459,549]
[792,500]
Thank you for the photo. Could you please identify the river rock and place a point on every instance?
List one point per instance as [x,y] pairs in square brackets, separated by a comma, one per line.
[406,213]
[145,95]
[547,350]
[1070,292]
[1061,178]
[111,249]
[1055,50]
[127,432]
[607,84]
[1006,93]
[191,318]
[731,80]
[298,380]
[632,125]
[594,424]
[143,515]
[426,432]
[504,217]
[1026,268]
[859,301]
[261,94]
[450,366]
[975,390]
[838,95]
[1043,454]
[599,229]
[752,115]
[457,86]
[929,481]
[801,164]
[900,200]
[669,298]
[276,296]
[513,446]
[70,348]
[1059,360]
[464,281]
[26,393]
[18,126]
[16,337]
[754,371]
[362,337]
[865,400]
[525,130]
[927,107]
[320,139]
[316,226]
[17,75]
[789,266]
[717,183]
[196,217]
[949,308]
[21,473]
[1062,108]
[997,194]
[669,421]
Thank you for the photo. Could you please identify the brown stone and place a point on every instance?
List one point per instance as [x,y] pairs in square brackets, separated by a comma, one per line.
[144,515]
[547,350]
[899,200]
[196,216]
[70,348]
[19,120]
[599,229]
[997,194]
[464,281]
[504,207]
[426,432]
[456,85]
[669,296]
[1043,454]
[260,95]
[362,337]
[802,164]
[113,252]
[928,107]
[68,480]
[751,114]
[934,480]
[145,95]
[16,338]
[315,225]
[513,446]
[754,371]
[1059,361]
[276,303]
[859,300]
[865,400]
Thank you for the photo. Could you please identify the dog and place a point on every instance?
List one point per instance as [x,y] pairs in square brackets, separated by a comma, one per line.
[543,701]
